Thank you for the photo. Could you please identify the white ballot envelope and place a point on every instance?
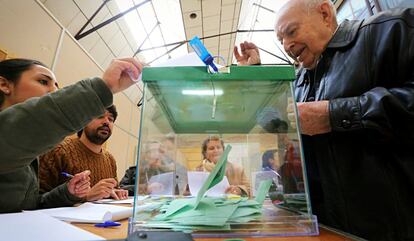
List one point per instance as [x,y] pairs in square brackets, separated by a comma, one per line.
[196,180]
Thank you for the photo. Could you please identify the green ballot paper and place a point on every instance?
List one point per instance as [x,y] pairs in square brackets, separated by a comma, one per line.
[215,176]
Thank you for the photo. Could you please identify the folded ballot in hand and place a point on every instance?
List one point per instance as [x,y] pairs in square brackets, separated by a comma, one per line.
[132,76]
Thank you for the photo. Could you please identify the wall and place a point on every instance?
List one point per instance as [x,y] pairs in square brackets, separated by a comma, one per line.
[28,30]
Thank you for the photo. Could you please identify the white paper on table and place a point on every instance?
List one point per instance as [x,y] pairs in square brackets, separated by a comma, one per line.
[89,213]
[197,179]
[129,200]
[38,226]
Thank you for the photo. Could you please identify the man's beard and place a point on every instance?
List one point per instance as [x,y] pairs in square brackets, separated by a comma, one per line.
[96,138]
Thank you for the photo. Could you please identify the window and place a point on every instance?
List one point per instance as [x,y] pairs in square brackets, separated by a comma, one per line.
[387,4]
[353,9]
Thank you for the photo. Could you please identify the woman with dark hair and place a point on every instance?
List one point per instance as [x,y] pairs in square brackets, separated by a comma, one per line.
[269,160]
[11,72]
[270,171]
[34,118]
[212,149]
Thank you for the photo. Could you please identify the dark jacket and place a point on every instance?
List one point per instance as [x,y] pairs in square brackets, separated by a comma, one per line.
[128,181]
[31,128]
[361,175]
[145,173]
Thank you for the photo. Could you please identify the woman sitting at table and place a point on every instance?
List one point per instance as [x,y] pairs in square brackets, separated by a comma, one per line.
[212,149]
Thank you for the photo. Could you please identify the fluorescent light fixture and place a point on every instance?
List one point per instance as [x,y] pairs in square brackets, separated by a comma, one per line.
[202,92]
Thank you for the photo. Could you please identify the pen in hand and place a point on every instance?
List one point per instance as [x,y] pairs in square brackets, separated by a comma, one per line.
[79,184]
[67,174]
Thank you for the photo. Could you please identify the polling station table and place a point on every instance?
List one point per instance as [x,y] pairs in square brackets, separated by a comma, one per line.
[121,233]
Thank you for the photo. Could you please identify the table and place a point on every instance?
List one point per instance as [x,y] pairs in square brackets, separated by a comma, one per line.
[121,232]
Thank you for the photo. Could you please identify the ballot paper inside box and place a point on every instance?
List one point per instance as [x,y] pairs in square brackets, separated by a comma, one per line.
[250,109]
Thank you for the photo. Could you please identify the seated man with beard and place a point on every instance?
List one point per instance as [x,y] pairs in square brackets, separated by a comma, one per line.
[84,152]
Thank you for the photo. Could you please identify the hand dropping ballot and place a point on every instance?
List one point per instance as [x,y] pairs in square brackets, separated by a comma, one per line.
[131,75]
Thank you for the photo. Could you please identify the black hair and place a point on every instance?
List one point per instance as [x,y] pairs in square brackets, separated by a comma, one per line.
[269,154]
[111,109]
[12,69]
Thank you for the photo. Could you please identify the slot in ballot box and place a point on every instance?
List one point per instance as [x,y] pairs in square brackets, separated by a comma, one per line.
[218,155]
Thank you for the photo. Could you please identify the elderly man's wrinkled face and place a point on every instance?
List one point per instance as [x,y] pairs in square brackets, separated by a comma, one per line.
[304,34]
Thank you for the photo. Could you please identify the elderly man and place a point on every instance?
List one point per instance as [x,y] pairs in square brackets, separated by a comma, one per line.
[355,94]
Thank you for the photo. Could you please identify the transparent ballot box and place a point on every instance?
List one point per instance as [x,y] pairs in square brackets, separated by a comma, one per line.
[219,154]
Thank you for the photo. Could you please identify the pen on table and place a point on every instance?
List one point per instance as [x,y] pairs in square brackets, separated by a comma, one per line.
[107,224]
[67,174]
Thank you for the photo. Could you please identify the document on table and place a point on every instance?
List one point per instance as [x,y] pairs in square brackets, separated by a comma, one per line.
[39,226]
[89,213]
[197,179]
[129,200]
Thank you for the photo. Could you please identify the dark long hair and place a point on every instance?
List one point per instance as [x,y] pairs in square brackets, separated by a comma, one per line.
[12,69]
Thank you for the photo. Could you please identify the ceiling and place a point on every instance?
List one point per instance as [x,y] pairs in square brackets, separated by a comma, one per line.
[155,30]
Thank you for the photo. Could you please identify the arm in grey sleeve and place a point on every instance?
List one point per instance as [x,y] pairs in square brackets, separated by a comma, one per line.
[58,197]
[33,127]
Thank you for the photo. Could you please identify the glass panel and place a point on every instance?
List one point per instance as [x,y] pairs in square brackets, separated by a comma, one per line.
[186,124]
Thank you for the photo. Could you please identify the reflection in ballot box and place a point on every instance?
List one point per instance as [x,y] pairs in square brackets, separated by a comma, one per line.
[260,176]
[161,184]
